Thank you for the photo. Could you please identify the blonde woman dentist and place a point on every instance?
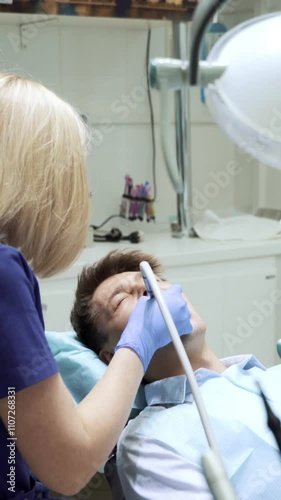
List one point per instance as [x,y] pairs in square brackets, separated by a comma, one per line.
[46,442]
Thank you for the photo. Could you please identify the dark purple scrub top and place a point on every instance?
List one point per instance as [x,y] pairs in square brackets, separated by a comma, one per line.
[25,357]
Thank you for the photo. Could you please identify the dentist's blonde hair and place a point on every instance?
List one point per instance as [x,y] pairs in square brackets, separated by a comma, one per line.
[44,200]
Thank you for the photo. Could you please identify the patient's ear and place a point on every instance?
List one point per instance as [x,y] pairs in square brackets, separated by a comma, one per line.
[106,356]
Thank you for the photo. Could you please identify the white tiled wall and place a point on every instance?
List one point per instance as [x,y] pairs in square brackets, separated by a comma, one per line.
[99,67]
[40,59]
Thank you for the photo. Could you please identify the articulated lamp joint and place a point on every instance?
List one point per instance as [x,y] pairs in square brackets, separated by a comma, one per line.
[173,74]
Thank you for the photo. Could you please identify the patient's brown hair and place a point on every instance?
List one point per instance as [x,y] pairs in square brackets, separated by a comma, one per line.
[85,315]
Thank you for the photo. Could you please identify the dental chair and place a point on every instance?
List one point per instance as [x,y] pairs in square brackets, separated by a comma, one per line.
[111,474]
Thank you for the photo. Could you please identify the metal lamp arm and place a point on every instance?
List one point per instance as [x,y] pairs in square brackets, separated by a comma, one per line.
[203,14]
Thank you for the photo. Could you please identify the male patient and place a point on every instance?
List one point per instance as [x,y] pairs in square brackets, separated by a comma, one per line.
[159,452]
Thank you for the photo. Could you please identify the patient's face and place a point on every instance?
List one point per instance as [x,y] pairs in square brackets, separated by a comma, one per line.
[118,295]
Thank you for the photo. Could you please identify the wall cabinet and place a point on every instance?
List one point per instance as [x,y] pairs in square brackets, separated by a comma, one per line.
[239,300]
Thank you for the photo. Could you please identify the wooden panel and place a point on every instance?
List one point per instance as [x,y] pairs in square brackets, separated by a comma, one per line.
[177,10]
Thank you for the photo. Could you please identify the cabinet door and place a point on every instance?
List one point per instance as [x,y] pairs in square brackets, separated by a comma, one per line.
[57,298]
[239,302]
[249,314]
[205,291]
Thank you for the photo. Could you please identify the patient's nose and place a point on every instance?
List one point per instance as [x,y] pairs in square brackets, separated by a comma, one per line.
[141,290]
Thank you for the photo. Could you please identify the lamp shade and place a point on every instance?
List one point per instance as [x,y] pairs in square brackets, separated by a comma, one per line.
[246,100]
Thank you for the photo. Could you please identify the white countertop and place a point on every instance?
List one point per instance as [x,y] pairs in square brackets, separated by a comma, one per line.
[179,252]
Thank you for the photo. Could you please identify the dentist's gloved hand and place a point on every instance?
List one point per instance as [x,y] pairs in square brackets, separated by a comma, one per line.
[146,331]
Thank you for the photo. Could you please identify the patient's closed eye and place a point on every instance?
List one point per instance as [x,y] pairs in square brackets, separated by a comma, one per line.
[119,301]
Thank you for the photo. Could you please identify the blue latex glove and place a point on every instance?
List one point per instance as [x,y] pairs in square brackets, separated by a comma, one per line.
[146,331]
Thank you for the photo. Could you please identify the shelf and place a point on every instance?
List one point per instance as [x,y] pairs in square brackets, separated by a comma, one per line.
[21,19]
[104,9]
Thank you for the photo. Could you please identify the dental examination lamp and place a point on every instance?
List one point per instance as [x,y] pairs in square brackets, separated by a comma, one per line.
[241,77]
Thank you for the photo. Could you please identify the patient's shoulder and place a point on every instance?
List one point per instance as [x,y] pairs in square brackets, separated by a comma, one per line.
[270,383]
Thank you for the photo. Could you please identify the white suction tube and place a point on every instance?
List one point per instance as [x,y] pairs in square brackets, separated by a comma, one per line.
[212,464]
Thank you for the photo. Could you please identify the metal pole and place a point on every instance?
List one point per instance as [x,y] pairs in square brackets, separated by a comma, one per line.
[182,112]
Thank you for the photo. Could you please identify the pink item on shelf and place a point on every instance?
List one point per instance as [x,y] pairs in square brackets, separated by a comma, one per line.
[147,205]
[128,185]
[138,200]
[126,195]
[133,205]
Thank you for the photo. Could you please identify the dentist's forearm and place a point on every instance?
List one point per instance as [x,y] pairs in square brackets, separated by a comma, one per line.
[107,407]
[65,444]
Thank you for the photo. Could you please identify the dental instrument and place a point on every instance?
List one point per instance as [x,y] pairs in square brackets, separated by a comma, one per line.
[212,464]
[148,287]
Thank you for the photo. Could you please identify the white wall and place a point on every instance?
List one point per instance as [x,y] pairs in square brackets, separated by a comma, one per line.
[96,64]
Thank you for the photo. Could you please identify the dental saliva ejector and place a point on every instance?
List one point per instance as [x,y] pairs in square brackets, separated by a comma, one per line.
[215,474]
